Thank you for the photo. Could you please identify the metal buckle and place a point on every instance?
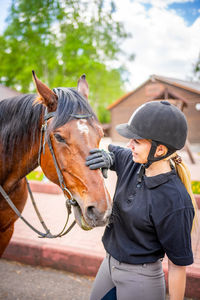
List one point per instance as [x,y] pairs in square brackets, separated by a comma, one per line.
[70,200]
[73,202]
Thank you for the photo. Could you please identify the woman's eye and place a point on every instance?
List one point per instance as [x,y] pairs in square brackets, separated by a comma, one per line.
[59,138]
[136,141]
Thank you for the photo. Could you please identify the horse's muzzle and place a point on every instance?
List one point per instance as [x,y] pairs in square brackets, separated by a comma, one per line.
[95,218]
[91,218]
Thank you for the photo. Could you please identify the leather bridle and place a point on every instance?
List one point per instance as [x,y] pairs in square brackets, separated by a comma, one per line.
[69,201]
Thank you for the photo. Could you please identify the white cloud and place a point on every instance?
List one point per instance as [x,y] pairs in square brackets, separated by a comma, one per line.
[162,41]
[160,3]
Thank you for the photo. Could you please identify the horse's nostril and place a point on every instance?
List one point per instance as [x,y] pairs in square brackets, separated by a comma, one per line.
[94,217]
[92,212]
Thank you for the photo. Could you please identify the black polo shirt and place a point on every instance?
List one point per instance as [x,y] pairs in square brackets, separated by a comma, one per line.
[150,220]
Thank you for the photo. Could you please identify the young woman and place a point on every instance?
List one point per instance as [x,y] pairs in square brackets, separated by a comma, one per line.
[152,209]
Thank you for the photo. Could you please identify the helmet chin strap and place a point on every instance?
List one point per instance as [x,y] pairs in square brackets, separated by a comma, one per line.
[151,159]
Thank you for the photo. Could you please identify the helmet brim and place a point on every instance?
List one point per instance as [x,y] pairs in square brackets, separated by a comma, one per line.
[126,131]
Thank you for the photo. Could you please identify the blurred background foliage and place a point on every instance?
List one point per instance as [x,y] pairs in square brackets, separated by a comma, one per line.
[61,40]
[196,69]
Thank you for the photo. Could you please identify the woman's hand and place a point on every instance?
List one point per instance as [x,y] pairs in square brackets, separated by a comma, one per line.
[100,159]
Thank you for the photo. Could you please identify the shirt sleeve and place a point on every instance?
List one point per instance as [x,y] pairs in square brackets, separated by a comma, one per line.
[122,157]
[174,234]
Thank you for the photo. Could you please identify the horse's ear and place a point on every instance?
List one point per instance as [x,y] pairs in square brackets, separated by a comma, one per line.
[83,88]
[46,96]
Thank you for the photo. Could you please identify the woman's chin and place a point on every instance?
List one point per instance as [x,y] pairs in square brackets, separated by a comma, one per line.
[135,159]
[139,161]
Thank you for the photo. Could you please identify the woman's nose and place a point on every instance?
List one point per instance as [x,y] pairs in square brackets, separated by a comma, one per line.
[130,144]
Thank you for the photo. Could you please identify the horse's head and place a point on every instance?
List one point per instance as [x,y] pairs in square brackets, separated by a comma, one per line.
[73,130]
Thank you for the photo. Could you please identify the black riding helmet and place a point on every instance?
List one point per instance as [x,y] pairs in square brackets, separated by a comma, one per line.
[159,121]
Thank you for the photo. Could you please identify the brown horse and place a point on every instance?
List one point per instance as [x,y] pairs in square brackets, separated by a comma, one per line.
[73,130]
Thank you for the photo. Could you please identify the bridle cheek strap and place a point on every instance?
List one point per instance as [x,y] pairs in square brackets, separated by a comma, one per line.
[43,132]
[70,200]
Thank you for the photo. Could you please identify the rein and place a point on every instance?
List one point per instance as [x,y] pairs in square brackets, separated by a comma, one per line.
[69,201]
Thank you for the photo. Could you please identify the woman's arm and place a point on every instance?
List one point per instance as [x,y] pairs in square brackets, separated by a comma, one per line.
[176,281]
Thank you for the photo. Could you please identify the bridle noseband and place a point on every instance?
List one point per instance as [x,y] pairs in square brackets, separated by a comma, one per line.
[69,201]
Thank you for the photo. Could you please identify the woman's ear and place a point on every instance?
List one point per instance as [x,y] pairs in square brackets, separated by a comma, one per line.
[161,150]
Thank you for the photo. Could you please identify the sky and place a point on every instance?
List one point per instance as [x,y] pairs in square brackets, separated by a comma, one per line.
[165,37]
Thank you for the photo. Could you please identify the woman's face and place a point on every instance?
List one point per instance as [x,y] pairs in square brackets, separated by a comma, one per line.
[140,150]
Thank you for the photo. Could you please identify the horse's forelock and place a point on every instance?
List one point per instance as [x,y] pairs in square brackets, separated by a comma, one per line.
[70,103]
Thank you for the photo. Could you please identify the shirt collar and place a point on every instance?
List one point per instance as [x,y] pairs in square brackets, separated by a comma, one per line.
[154,181]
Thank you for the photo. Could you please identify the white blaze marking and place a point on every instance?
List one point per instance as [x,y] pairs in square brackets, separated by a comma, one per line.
[81,124]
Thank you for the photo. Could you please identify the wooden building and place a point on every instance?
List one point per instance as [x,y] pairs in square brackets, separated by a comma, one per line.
[6,92]
[184,94]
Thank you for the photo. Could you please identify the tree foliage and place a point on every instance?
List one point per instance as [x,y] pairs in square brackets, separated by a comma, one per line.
[196,69]
[61,40]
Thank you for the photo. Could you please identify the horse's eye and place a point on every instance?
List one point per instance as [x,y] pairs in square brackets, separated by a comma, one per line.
[59,138]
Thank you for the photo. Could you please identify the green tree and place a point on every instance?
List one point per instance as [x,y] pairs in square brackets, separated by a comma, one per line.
[61,40]
[196,69]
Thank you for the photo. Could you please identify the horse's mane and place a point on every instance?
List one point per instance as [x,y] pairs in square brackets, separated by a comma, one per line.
[20,118]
